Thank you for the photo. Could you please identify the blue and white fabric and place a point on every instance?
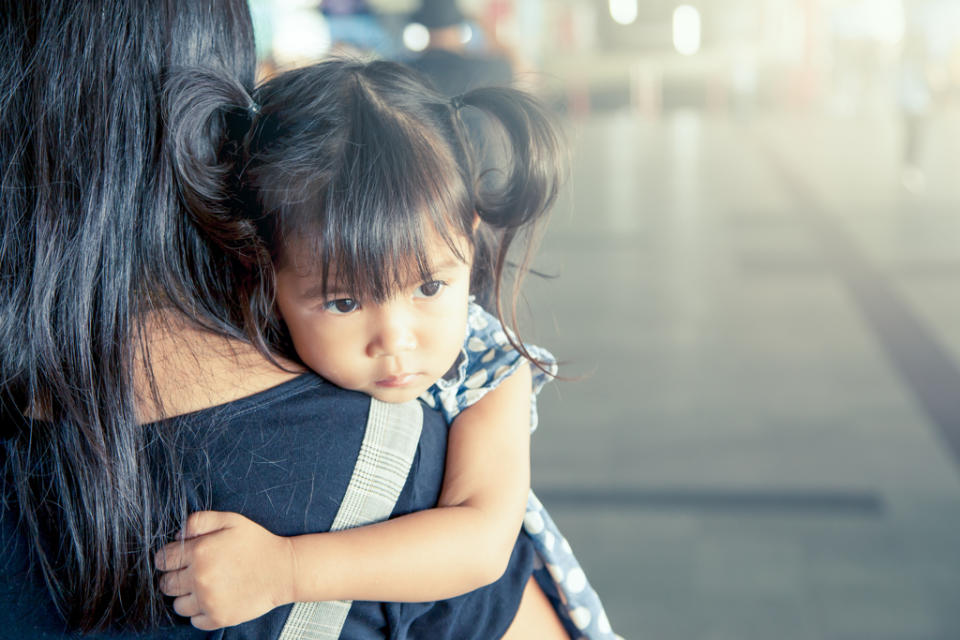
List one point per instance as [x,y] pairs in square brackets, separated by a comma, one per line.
[486,360]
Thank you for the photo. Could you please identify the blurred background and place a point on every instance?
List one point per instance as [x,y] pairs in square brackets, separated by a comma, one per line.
[757,261]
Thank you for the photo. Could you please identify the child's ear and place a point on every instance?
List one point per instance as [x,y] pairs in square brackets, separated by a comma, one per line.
[476,220]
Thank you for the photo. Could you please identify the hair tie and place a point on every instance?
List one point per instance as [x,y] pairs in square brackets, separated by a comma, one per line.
[253,109]
[456,102]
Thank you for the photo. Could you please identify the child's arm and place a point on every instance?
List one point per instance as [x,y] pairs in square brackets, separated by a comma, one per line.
[229,569]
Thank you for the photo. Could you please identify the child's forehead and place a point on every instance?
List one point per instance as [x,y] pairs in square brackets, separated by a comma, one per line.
[306,258]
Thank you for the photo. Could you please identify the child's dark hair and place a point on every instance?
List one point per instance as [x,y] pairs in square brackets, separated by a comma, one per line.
[354,161]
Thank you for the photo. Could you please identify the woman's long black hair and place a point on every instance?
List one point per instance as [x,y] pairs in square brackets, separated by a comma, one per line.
[360,160]
[95,236]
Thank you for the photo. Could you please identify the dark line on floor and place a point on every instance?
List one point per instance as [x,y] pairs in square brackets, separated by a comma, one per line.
[861,503]
[914,350]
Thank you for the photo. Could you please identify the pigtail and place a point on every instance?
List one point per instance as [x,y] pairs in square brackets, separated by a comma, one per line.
[210,119]
[514,200]
[528,185]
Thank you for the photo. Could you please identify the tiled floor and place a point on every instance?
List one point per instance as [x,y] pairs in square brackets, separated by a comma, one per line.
[765,441]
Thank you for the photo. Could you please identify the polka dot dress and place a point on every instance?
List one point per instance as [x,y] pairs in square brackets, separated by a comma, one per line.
[487,358]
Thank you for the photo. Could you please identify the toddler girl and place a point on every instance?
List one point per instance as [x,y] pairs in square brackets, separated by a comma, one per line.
[386,239]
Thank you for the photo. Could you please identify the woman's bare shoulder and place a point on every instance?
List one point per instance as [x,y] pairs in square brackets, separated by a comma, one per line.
[193,369]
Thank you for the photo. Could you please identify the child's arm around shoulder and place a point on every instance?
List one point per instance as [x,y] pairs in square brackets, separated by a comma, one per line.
[230,569]
[488,468]
[464,543]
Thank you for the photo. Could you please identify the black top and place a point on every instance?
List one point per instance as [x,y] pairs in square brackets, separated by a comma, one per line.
[283,457]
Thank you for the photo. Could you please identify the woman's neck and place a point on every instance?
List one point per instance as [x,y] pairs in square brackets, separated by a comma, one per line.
[191,368]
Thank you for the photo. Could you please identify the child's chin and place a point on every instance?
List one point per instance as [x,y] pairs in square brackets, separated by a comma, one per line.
[397,396]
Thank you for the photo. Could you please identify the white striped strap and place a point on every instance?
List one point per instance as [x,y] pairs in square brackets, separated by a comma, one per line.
[389,444]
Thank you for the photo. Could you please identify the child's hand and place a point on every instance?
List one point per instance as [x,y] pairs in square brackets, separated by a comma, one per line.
[226,569]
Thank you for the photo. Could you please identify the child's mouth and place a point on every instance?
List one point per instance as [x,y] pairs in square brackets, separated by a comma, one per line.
[400,380]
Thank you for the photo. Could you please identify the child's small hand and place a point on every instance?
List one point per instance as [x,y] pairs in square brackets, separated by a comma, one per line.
[225,569]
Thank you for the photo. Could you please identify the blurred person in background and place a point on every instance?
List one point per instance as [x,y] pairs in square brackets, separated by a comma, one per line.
[355,27]
[446,60]
[914,99]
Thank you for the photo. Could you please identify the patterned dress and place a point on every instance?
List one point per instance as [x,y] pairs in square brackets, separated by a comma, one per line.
[487,358]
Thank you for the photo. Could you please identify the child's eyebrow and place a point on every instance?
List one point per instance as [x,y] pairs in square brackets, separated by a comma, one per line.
[317,290]
[333,287]
[452,262]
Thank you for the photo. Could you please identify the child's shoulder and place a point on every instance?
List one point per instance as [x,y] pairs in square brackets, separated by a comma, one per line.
[486,359]
[486,348]
[488,343]
[484,330]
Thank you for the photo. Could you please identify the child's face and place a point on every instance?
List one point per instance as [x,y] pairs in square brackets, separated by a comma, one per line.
[393,351]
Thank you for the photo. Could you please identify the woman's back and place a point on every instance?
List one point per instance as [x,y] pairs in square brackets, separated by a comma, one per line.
[283,457]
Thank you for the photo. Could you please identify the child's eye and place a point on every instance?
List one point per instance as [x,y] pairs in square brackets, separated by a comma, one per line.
[429,289]
[341,305]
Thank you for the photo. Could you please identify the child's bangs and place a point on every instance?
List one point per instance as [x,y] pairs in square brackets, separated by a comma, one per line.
[396,204]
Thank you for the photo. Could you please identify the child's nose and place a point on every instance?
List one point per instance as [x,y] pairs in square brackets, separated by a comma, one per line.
[394,335]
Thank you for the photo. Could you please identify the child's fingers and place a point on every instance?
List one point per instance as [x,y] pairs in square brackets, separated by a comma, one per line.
[204,623]
[176,554]
[203,522]
[176,583]
[172,557]
[187,606]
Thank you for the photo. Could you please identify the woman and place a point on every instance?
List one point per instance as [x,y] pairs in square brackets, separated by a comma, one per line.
[135,386]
